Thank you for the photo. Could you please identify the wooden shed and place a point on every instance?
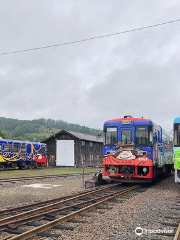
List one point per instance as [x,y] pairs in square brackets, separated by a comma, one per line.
[68,148]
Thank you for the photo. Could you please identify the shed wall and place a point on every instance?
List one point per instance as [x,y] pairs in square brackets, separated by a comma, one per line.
[82,154]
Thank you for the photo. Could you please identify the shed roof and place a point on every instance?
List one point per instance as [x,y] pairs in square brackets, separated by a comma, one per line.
[80,136]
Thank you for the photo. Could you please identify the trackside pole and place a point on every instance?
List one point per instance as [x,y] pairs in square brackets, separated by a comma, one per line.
[83,176]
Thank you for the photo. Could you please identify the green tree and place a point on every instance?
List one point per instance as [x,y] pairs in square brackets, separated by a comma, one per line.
[3,134]
[18,132]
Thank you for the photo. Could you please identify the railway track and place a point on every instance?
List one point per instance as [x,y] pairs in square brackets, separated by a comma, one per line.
[39,221]
[21,179]
[28,207]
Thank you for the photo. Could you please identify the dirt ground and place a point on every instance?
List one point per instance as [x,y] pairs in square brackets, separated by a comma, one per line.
[18,193]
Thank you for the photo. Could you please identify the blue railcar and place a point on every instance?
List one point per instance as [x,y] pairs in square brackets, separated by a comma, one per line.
[22,154]
[136,149]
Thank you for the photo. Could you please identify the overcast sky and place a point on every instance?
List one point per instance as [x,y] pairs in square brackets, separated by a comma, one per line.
[88,83]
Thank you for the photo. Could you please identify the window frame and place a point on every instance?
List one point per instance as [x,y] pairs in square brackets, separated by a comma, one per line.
[1,148]
[83,143]
[24,147]
[176,129]
[105,142]
[10,147]
[126,129]
[18,147]
[91,159]
[150,129]
[83,157]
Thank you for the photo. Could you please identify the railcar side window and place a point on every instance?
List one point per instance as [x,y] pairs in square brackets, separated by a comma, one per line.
[126,136]
[142,136]
[37,147]
[111,136]
[150,136]
[7,148]
[23,149]
[0,148]
[177,135]
[15,148]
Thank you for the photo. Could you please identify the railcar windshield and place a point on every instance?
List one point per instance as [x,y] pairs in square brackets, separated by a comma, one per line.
[177,135]
[111,136]
[126,136]
[144,136]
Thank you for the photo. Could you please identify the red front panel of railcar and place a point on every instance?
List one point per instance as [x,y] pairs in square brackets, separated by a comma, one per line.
[41,160]
[139,168]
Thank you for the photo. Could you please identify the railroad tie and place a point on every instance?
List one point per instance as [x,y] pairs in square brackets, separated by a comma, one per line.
[50,217]
[116,200]
[97,211]
[35,224]
[87,215]
[64,213]
[64,227]
[50,235]
[172,217]
[15,231]
[176,208]
[166,234]
[175,225]
[76,221]
[108,208]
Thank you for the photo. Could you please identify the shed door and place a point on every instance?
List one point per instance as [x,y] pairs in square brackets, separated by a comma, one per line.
[65,153]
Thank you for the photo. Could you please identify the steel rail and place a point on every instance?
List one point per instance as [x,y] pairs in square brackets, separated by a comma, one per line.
[30,178]
[4,180]
[47,226]
[8,220]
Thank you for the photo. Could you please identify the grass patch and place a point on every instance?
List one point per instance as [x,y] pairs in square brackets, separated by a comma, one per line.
[46,171]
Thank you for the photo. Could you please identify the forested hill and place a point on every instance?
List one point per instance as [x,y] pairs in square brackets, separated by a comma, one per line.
[39,129]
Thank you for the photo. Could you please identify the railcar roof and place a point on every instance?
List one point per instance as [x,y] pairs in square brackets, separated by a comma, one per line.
[126,119]
[17,141]
[136,121]
[177,120]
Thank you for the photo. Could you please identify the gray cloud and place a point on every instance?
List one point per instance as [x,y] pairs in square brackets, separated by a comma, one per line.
[88,83]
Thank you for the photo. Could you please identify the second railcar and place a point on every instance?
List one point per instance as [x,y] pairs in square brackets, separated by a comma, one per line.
[176,148]
[22,154]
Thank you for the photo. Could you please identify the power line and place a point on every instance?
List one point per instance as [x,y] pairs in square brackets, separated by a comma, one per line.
[90,38]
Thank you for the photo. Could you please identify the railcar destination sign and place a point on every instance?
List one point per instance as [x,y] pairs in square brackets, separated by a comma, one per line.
[126,122]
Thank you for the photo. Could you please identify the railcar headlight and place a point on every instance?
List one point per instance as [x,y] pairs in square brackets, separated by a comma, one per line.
[145,169]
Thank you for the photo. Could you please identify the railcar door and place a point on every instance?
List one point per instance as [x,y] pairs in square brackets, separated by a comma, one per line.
[126,143]
[157,147]
[126,135]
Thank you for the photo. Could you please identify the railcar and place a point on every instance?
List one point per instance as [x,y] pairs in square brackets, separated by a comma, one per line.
[176,148]
[136,150]
[22,154]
